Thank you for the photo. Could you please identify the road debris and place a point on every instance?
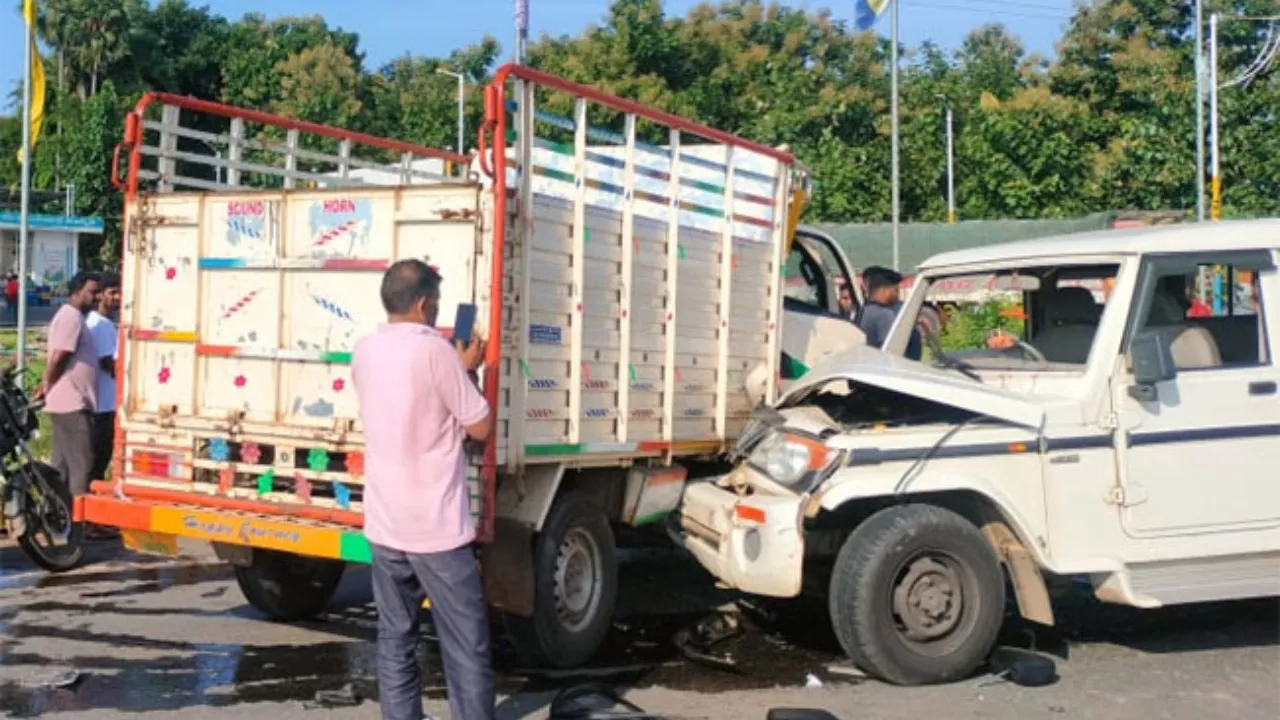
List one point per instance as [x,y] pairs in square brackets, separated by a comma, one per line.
[851,671]
[695,642]
[344,697]
[1021,667]
[594,701]
[56,679]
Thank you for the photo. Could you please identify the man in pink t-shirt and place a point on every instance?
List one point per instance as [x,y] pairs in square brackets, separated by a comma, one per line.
[418,404]
[69,386]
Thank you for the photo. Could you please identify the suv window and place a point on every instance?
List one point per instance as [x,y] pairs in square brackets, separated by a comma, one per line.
[812,277]
[1210,309]
[1033,318]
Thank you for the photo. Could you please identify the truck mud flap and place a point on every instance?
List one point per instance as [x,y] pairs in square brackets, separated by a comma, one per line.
[507,568]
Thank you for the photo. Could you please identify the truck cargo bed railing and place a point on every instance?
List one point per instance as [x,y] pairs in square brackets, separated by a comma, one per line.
[175,142]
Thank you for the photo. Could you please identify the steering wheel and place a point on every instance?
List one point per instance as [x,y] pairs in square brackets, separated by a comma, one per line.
[1030,351]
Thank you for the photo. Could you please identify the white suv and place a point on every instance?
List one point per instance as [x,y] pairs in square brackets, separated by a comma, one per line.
[1110,410]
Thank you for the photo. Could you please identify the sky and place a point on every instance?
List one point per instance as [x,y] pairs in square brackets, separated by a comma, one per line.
[390,28]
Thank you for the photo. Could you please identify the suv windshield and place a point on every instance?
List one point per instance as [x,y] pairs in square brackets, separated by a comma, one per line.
[1033,318]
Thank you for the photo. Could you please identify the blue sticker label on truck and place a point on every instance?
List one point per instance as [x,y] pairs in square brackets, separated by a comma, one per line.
[544,335]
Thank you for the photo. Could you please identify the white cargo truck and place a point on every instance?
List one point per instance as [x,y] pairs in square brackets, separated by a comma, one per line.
[628,277]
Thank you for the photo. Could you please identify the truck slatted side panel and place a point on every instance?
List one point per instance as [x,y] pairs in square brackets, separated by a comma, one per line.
[649,251]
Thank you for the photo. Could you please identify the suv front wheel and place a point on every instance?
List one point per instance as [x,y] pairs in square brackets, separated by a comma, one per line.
[917,596]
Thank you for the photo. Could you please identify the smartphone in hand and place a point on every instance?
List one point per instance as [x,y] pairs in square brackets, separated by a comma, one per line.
[464,325]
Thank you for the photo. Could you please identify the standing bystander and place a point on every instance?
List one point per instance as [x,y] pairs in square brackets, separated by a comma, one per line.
[881,309]
[11,297]
[69,384]
[844,301]
[102,327]
[418,405]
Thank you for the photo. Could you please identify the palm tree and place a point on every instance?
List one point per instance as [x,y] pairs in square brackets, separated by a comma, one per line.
[52,31]
[89,37]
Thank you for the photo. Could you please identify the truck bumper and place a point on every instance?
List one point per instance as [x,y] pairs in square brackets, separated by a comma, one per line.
[154,526]
[754,544]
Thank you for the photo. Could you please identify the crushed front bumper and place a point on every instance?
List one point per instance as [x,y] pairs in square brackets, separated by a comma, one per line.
[754,544]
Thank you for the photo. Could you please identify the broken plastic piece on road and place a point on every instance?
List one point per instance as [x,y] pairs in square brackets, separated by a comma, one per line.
[812,681]
[346,696]
[799,714]
[852,671]
[57,679]
[1021,667]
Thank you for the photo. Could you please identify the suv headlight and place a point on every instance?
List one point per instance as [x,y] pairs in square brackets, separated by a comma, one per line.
[793,460]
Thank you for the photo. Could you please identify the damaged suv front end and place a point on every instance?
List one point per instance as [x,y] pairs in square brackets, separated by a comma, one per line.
[888,487]
[853,427]
[747,527]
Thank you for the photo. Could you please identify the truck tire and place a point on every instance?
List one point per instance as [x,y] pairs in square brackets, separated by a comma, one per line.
[289,587]
[575,587]
[917,596]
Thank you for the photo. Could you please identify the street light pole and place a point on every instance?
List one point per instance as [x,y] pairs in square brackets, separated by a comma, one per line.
[1200,110]
[1215,180]
[951,170]
[462,100]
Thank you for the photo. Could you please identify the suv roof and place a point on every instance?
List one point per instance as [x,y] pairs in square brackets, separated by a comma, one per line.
[1189,237]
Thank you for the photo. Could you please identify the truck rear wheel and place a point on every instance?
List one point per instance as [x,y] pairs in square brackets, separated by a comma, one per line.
[289,587]
[917,596]
[576,586]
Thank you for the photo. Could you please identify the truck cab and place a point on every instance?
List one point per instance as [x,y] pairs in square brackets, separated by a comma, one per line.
[1102,416]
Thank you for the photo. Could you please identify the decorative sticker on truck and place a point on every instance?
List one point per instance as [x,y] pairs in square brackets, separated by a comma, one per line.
[240,304]
[249,224]
[340,227]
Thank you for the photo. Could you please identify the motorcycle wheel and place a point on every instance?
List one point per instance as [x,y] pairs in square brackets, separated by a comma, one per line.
[55,554]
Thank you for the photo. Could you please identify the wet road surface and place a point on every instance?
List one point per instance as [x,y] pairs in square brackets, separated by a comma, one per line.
[133,633]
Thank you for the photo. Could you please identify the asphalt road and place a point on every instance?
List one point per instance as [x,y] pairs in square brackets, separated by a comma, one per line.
[175,638]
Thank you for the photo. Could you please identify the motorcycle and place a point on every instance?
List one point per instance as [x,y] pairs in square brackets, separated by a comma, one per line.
[37,503]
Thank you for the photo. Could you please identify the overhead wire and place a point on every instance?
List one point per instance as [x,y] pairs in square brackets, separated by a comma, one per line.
[988,11]
[1262,63]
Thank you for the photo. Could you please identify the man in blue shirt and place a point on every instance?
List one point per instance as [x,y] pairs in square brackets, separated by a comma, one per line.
[881,309]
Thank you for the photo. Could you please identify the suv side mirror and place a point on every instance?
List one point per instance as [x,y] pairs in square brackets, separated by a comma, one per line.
[1151,361]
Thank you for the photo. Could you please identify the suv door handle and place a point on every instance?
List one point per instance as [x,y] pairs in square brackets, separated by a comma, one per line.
[1262,388]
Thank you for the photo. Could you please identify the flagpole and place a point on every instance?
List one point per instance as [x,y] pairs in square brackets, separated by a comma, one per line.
[522,28]
[24,229]
[893,114]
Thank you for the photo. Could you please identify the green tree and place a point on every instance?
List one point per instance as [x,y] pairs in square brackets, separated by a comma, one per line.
[412,102]
[318,83]
[180,49]
[255,47]
[992,60]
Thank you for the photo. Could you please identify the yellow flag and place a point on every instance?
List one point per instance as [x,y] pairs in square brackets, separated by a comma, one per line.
[37,76]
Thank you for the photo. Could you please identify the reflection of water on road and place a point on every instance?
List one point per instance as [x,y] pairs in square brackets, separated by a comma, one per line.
[131,672]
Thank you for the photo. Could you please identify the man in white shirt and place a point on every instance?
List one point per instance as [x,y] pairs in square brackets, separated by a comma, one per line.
[102,328]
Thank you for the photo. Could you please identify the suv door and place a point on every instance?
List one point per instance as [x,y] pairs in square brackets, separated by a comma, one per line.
[1200,455]
[812,326]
